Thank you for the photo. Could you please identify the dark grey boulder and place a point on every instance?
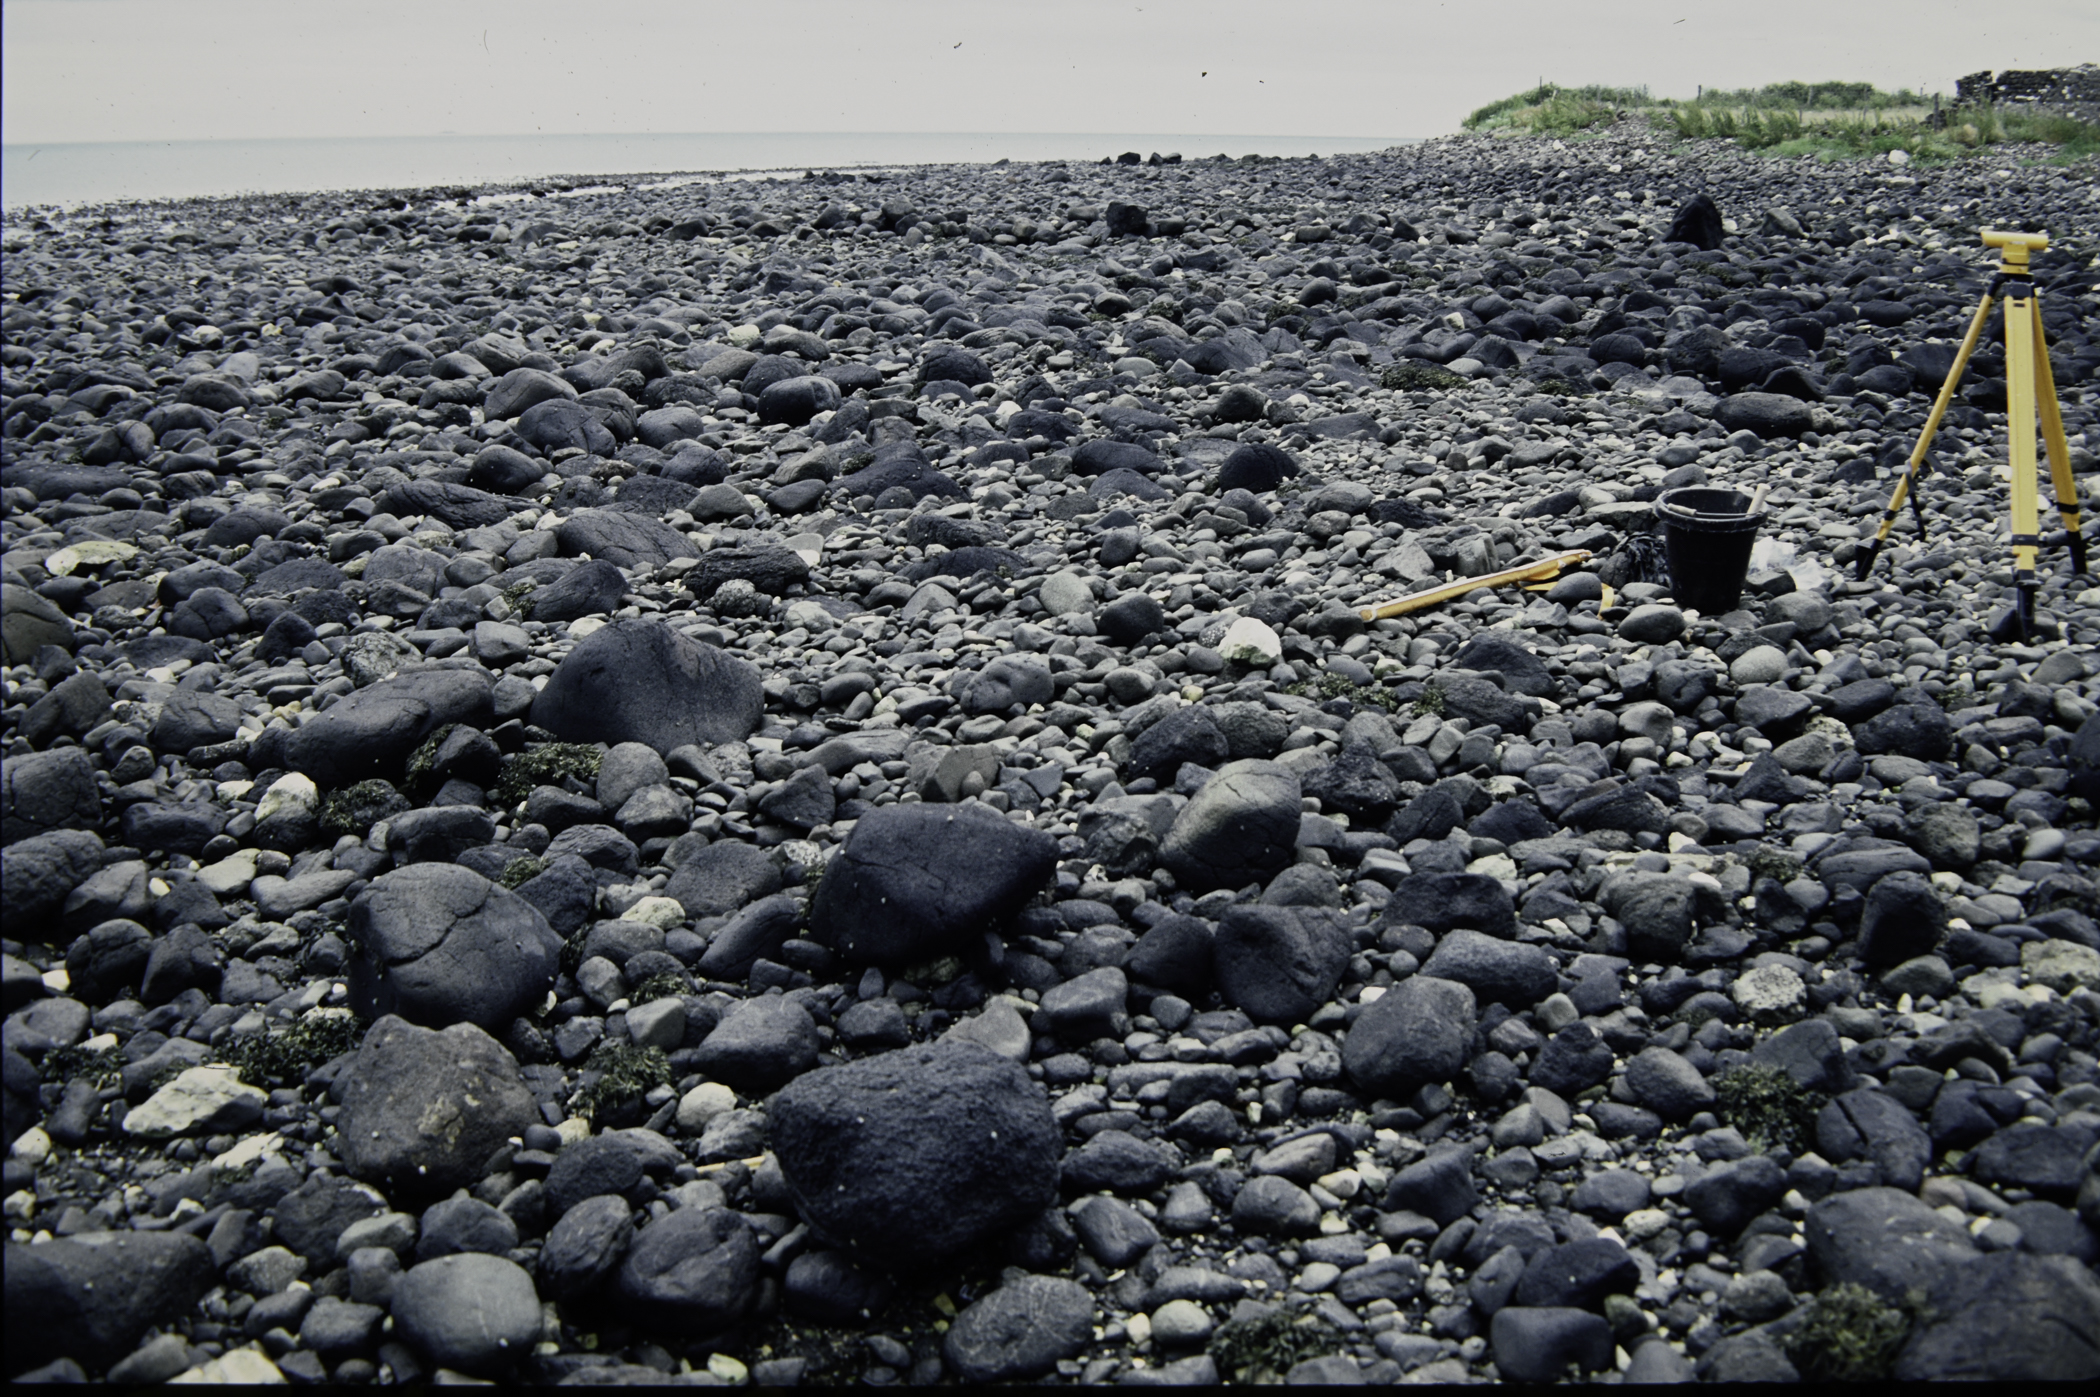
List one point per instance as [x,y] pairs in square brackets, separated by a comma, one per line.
[1241,828]
[520,389]
[1272,1206]
[41,792]
[1256,467]
[796,400]
[2008,1317]
[1504,972]
[1540,1345]
[1415,1034]
[1917,727]
[1100,457]
[372,732]
[1884,1239]
[626,540]
[423,1110]
[1116,1161]
[642,681]
[909,1157]
[724,877]
[757,931]
[1668,1084]
[769,568]
[918,881]
[1279,964]
[92,1297]
[1521,671]
[439,944]
[1769,415]
[472,1313]
[191,719]
[1905,917]
[42,869]
[826,1286]
[1020,1331]
[694,1271]
[1872,1125]
[1006,681]
[1444,901]
[759,1045]
[1439,1186]
[610,1162]
[589,588]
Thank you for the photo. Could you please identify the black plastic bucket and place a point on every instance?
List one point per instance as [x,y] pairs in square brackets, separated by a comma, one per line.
[1707,535]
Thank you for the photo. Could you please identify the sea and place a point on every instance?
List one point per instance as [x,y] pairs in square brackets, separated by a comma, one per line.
[71,175]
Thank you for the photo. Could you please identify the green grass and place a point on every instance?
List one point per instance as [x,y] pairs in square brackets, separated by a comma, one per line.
[1551,110]
[1965,131]
[1827,120]
[1817,96]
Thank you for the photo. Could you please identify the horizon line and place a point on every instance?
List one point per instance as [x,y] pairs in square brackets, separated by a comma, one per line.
[662,135]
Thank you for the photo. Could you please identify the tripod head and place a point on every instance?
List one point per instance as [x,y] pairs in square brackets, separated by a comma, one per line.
[2015,247]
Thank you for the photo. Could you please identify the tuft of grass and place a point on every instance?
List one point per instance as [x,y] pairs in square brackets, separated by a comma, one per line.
[1417,377]
[1431,700]
[1850,1335]
[626,1074]
[284,1059]
[546,765]
[1768,1106]
[1263,1348]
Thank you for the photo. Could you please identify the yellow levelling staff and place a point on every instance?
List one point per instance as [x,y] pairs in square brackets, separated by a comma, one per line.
[2028,384]
[1544,570]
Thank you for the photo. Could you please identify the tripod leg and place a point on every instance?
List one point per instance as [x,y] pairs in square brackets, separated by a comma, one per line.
[2059,448]
[2021,334]
[1905,485]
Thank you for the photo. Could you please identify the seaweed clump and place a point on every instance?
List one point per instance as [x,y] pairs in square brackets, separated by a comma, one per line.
[1263,1348]
[625,1074]
[522,870]
[285,1059]
[74,1063]
[1768,1106]
[355,809]
[546,765]
[1850,1335]
[1420,377]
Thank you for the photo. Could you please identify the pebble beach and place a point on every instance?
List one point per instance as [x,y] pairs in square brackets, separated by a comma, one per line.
[783,780]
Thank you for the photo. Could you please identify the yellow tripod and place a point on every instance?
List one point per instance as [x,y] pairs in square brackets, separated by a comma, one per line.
[2028,384]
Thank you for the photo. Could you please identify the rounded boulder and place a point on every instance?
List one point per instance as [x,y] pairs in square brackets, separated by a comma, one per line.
[439,944]
[908,1157]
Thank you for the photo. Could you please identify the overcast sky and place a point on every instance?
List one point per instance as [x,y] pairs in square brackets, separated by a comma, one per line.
[129,70]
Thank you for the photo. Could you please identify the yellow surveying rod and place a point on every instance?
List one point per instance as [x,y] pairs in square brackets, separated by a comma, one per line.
[1543,570]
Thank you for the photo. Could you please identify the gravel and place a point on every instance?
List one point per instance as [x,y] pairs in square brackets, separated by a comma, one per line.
[779,780]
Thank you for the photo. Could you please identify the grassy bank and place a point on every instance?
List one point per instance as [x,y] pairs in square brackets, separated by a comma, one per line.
[1829,120]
